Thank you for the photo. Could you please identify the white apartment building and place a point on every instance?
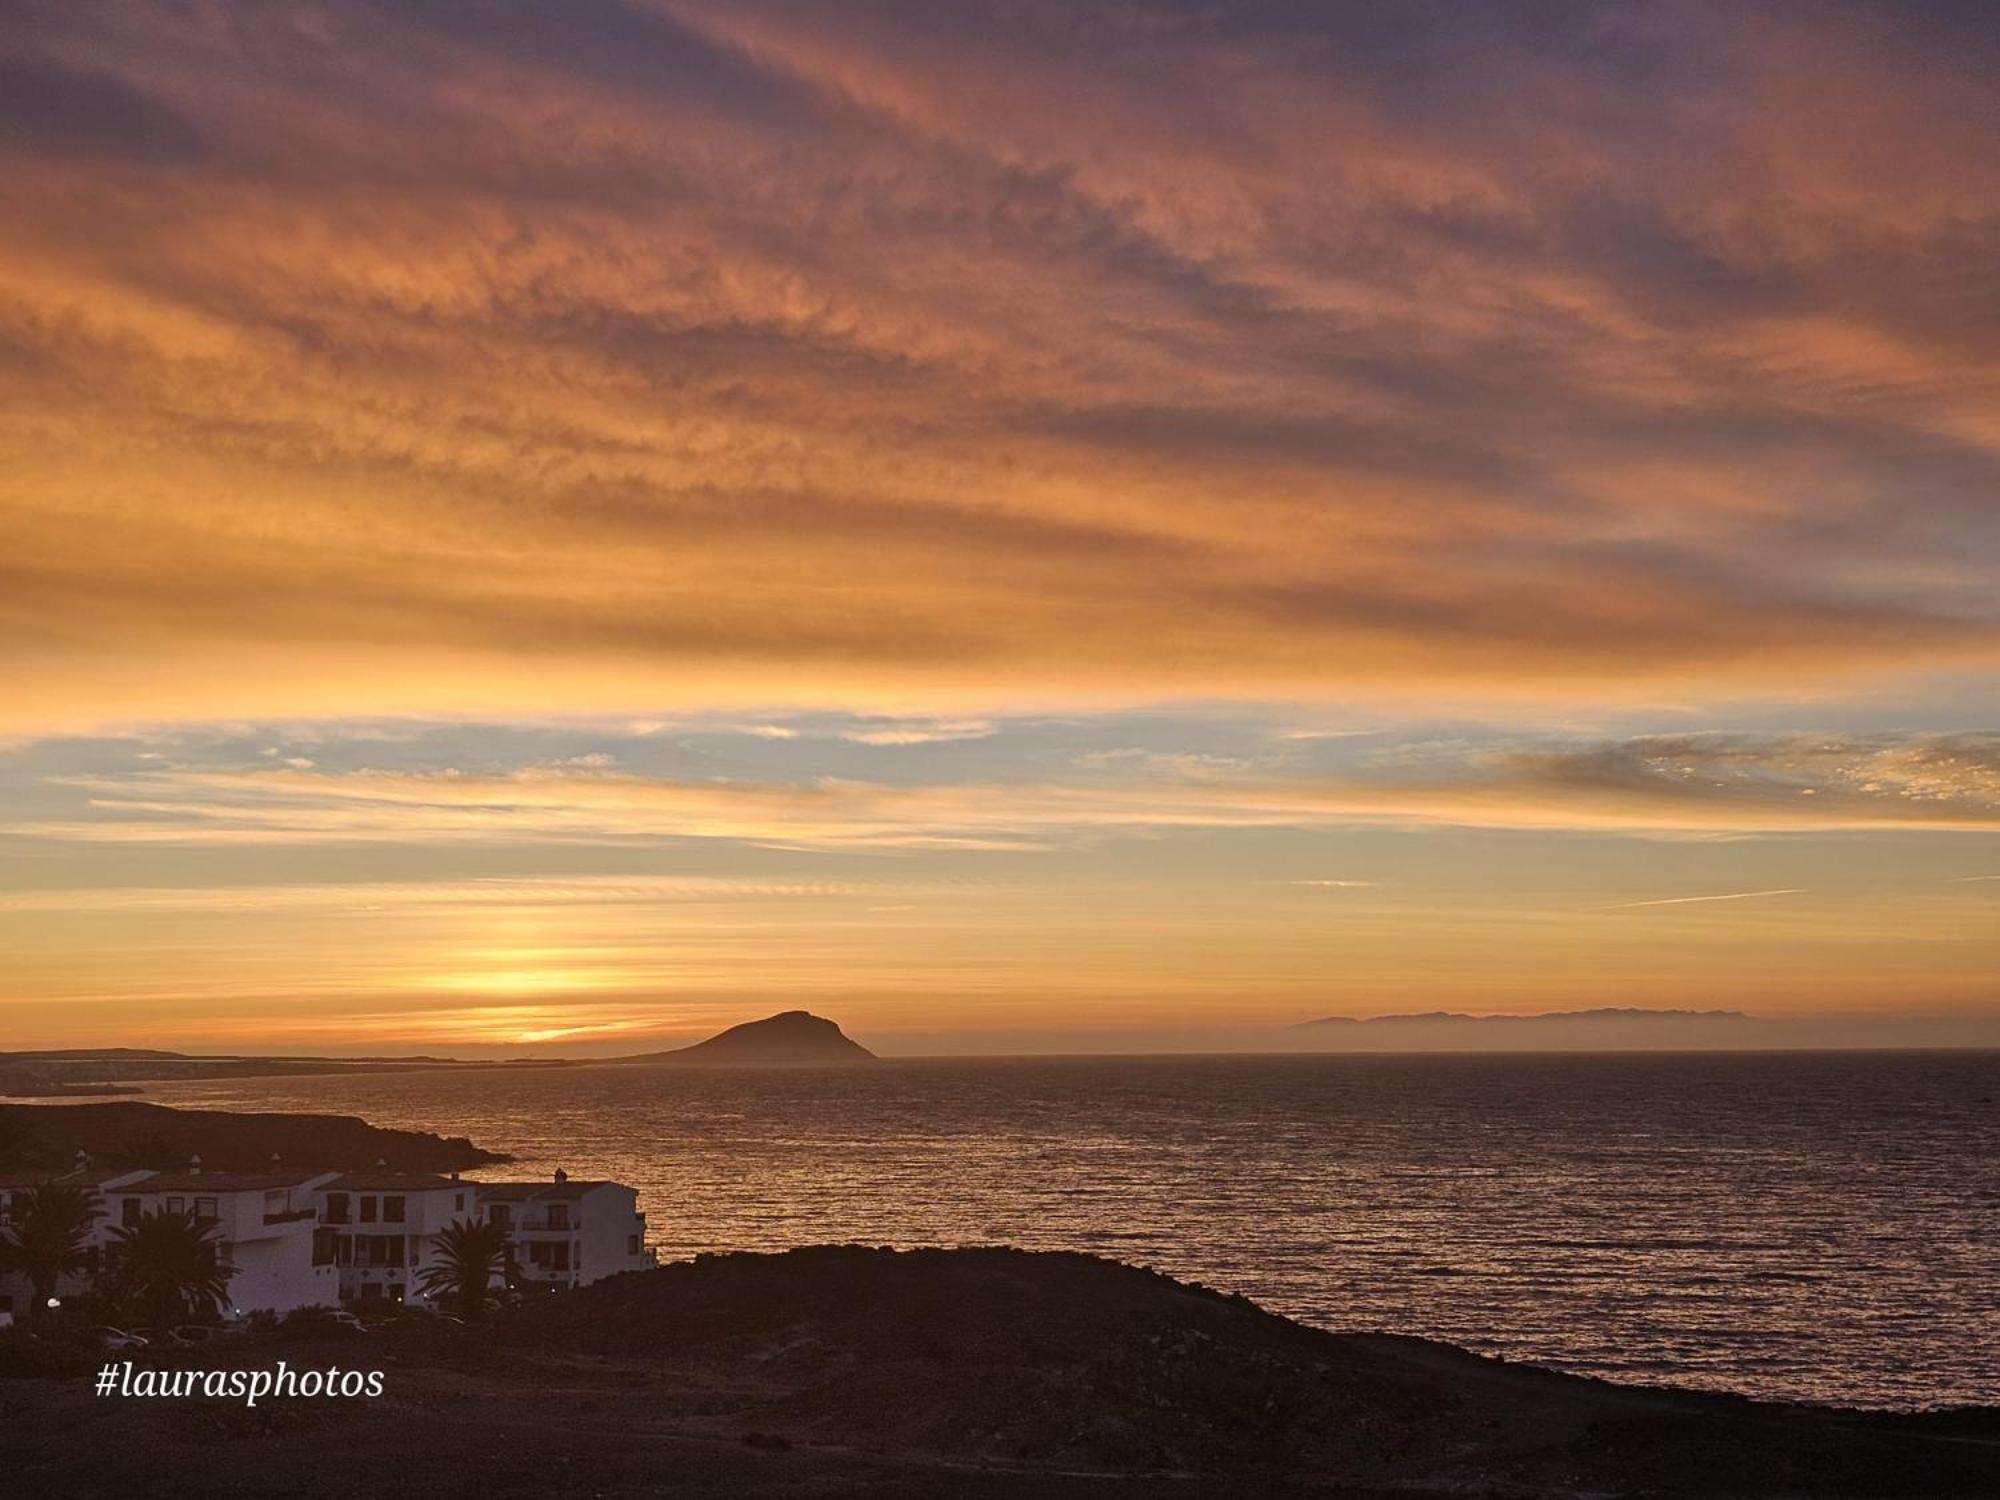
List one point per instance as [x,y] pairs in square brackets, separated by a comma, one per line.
[568,1234]
[379,1229]
[322,1238]
[15,1185]
[265,1221]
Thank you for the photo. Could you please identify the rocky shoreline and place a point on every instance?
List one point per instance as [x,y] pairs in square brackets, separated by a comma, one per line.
[135,1134]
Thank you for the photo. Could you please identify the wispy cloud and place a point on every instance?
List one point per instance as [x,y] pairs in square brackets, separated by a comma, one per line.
[515,894]
[1695,900]
[1654,785]
[944,731]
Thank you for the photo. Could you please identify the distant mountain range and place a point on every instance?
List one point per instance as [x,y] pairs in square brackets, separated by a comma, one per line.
[1607,1028]
[797,1038]
[69,1072]
[1453,1017]
[791,1038]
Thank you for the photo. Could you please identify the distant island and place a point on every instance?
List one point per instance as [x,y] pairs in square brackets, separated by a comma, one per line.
[792,1038]
[1607,1028]
[1601,1013]
[798,1038]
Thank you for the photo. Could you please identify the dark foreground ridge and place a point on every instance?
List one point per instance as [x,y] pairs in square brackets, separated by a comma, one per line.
[130,1134]
[842,1370]
[792,1038]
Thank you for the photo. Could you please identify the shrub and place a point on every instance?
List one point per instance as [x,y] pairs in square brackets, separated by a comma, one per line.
[30,1356]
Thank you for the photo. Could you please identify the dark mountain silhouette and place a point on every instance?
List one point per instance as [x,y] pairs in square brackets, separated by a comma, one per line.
[789,1039]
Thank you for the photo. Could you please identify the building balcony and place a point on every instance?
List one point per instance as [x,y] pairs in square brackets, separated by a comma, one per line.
[541,1227]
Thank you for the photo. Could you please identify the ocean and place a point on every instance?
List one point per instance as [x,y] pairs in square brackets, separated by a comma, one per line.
[1814,1226]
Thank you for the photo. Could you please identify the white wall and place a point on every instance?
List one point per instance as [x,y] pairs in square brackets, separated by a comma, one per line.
[276,1273]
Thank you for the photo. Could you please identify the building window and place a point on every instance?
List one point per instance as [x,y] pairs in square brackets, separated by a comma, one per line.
[553,1256]
[368,1210]
[380,1250]
[549,1256]
[458,1204]
[501,1214]
[392,1209]
[631,1244]
[204,1208]
[336,1208]
[558,1216]
[177,1205]
[128,1212]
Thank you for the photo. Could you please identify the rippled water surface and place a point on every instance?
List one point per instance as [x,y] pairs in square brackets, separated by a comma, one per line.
[1818,1226]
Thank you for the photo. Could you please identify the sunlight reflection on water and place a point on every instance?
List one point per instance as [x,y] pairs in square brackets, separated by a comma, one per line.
[1820,1227]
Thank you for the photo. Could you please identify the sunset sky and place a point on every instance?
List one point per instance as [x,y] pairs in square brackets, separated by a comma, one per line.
[576,524]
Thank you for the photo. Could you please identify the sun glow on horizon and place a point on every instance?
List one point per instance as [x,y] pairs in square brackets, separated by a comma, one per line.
[524,535]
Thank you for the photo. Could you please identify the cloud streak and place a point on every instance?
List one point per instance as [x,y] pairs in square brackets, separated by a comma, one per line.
[1697,900]
[1653,785]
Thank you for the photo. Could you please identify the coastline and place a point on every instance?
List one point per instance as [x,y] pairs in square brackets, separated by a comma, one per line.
[47,1136]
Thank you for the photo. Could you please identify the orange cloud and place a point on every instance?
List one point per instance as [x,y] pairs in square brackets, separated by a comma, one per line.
[399,360]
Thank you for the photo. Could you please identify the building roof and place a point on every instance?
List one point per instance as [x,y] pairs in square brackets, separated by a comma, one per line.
[30,1177]
[218,1182]
[522,1192]
[379,1181]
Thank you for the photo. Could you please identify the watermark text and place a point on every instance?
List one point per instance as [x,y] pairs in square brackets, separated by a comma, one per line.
[120,1378]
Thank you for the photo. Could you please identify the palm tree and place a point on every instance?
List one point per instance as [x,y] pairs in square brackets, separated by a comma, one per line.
[15,1132]
[170,1265]
[45,1238]
[469,1256]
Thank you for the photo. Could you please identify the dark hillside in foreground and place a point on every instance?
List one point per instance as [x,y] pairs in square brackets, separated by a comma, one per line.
[845,1371]
[1063,1362]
